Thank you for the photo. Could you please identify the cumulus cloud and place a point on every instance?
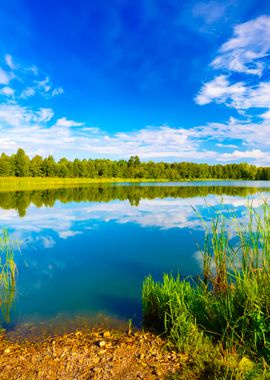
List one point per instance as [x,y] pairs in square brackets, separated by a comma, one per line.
[246,54]
[250,134]
[237,95]
[32,128]
[256,154]
[219,90]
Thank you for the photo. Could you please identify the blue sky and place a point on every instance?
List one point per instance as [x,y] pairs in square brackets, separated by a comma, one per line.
[165,79]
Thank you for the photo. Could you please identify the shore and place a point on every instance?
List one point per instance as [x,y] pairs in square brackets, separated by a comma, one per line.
[89,354]
[39,183]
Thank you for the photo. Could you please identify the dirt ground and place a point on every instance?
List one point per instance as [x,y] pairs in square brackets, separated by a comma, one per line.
[88,354]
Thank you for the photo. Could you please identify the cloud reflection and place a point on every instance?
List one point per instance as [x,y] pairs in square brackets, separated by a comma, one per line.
[69,220]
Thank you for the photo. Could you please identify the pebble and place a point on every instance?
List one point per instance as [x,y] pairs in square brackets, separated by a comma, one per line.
[107,334]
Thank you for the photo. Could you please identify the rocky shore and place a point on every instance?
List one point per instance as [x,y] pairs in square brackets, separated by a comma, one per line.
[93,353]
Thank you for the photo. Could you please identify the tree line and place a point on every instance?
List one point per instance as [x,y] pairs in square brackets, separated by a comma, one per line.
[20,165]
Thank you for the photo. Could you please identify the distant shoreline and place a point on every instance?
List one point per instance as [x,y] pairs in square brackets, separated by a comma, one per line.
[37,183]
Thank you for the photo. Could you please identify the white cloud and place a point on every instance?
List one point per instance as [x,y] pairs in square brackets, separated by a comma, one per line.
[5,77]
[9,61]
[238,95]
[28,92]
[38,132]
[28,81]
[33,130]
[44,85]
[7,91]
[266,115]
[57,91]
[16,116]
[219,90]
[64,122]
[256,154]
[44,115]
[209,11]
[245,51]
[251,134]
[232,146]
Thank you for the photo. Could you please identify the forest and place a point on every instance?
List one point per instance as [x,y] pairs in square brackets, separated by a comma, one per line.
[21,165]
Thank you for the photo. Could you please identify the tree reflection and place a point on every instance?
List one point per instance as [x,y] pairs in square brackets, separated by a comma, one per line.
[21,200]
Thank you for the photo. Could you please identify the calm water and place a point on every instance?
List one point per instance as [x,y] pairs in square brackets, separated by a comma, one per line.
[87,250]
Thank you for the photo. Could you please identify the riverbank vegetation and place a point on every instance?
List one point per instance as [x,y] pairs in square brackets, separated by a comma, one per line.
[8,271]
[20,165]
[227,309]
[32,183]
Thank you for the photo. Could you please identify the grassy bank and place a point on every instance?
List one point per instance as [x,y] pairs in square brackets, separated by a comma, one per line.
[222,319]
[26,183]
[39,183]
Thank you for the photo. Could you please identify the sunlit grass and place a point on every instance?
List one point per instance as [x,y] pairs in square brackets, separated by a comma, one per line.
[226,310]
[26,183]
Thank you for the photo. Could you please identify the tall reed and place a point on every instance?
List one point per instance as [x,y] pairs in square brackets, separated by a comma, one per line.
[8,272]
[229,304]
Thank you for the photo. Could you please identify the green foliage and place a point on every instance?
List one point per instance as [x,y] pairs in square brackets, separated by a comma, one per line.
[20,165]
[229,306]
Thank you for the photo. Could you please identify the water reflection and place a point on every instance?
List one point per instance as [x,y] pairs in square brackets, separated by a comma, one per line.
[88,248]
[21,200]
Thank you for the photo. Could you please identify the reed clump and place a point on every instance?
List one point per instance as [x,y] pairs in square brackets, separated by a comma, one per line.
[8,272]
[227,309]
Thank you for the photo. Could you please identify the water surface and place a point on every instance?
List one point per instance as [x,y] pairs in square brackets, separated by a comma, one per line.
[86,250]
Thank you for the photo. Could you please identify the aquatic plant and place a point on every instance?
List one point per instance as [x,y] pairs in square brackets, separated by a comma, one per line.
[228,306]
[8,271]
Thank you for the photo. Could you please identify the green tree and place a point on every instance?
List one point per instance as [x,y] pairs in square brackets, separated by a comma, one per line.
[36,166]
[22,164]
[5,165]
[49,167]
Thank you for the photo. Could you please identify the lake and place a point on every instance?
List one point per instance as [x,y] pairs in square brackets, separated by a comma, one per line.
[86,250]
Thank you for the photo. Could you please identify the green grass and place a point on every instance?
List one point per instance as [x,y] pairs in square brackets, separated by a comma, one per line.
[29,183]
[8,271]
[26,183]
[222,319]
